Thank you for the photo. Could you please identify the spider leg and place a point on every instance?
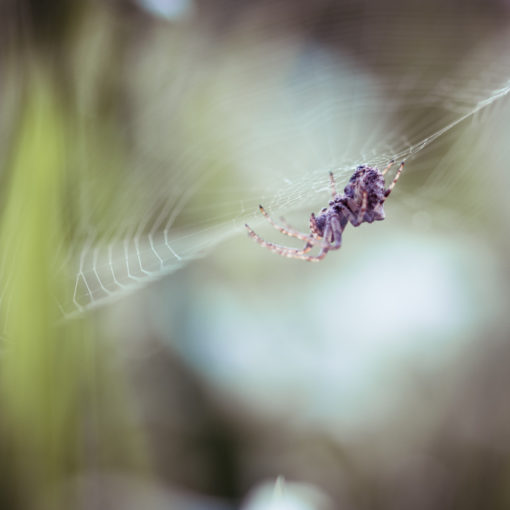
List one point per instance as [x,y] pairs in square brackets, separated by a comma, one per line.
[392,185]
[326,246]
[357,219]
[336,229]
[314,228]
[312,237]
[287,229]
[290,252]
[310,258]
[388,167]
[363,209]
[332,184]
[277,248]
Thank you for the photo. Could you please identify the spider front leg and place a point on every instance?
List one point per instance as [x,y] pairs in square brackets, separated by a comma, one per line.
[309,258]
[292,253]
[326,246]
[287,229]
[277,248]
[392,185]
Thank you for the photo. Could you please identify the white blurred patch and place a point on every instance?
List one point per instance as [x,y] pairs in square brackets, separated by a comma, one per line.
[168,9]
[340,348]
[281,495]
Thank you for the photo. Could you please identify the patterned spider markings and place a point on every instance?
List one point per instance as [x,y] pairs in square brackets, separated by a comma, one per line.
[362,201]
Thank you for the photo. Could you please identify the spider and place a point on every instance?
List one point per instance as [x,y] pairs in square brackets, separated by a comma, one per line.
[362,201]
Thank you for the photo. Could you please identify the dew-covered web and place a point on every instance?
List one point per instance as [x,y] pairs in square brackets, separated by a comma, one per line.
[260,114]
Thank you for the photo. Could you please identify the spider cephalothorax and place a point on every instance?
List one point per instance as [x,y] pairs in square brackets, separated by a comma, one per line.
[362,201]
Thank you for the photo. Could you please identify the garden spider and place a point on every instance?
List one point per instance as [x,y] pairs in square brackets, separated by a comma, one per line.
[361,202]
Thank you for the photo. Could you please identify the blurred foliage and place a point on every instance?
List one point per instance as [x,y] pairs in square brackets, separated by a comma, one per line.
[63,397]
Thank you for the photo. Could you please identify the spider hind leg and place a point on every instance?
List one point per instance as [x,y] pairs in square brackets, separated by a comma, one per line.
[390,164]
[332,184]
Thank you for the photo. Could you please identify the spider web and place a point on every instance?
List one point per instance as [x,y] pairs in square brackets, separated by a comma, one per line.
[261,115]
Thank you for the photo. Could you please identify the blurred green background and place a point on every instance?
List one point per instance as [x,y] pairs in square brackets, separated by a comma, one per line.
[152,355]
